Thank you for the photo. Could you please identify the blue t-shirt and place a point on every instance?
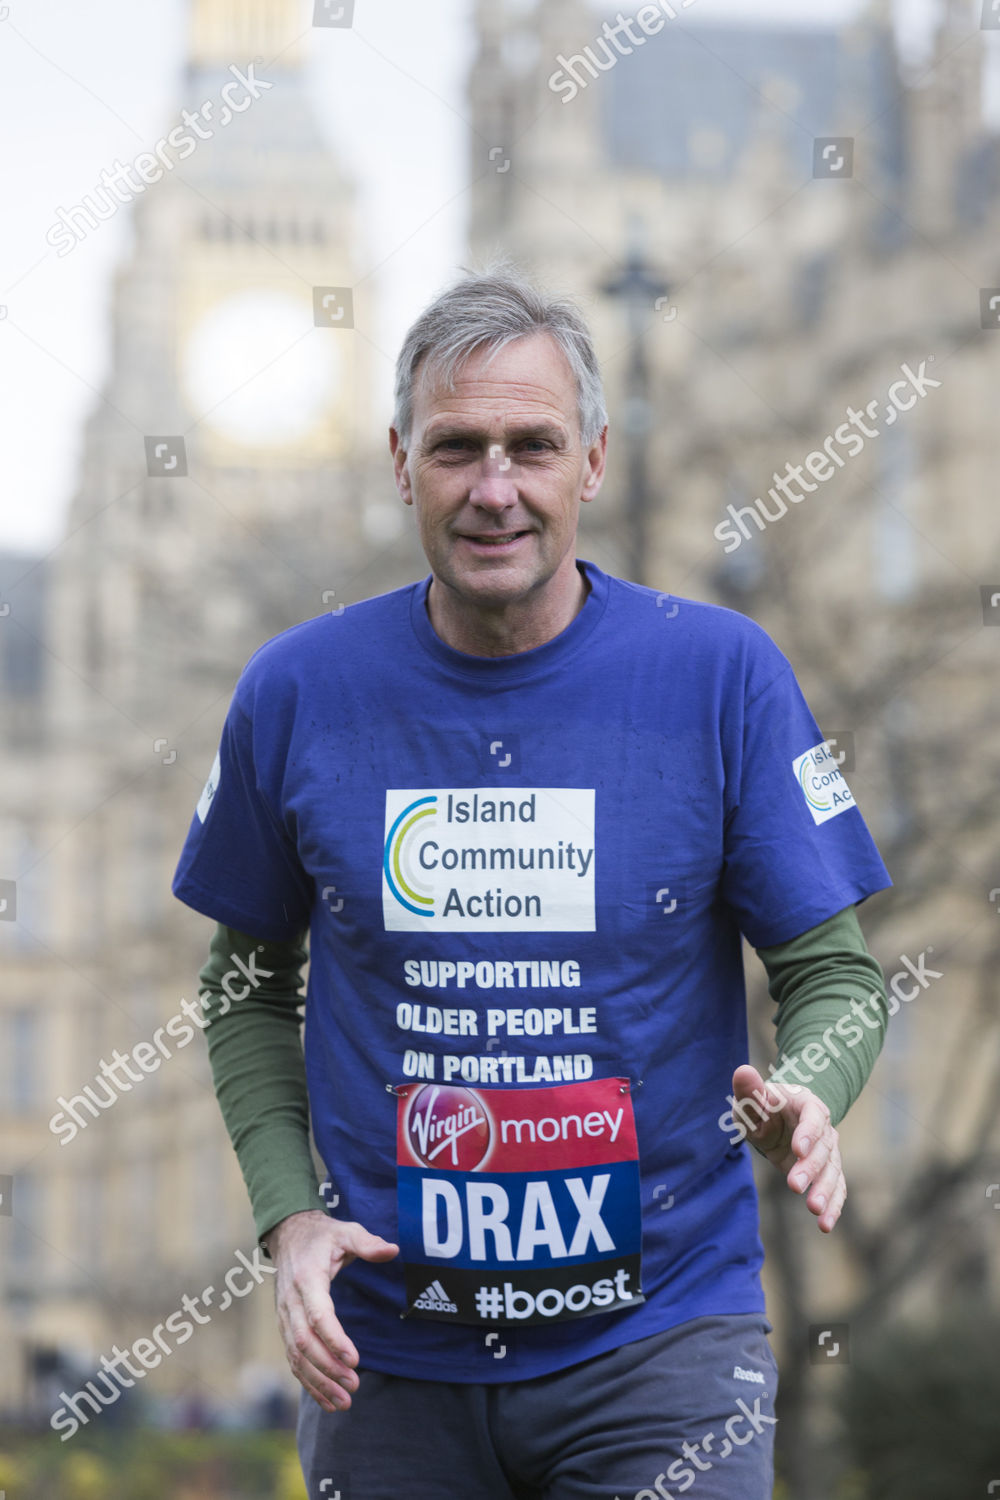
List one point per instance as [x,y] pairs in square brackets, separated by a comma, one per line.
[525,880]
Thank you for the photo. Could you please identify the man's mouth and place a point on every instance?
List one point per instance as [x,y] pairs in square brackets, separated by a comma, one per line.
[493,539]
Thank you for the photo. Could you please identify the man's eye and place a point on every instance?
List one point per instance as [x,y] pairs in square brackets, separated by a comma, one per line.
[454,445]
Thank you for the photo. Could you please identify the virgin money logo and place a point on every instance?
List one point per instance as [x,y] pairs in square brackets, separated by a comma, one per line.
[448,1127]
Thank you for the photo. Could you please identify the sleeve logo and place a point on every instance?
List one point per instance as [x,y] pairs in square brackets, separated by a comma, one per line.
[824,788]
[211,787]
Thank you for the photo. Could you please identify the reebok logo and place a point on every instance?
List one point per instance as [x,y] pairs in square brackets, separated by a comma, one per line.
[435,1299]
[755,1376]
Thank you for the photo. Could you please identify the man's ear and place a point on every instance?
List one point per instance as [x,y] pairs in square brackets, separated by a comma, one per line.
[399,470]
[596,460]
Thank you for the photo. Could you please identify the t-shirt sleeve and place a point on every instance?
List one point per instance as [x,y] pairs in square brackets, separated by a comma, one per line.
[796,848]
[239,865]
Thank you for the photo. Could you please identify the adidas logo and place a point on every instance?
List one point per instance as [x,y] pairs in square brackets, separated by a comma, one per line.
[435,1299]
[756,1376]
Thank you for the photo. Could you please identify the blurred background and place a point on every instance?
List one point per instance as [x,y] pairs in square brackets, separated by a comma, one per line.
[220,218]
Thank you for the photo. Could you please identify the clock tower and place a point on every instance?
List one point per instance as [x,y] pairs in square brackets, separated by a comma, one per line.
[257,28]
[268,218]
[222,478]
[219,494]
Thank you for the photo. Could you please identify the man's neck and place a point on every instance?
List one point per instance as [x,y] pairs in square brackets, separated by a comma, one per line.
[507,630]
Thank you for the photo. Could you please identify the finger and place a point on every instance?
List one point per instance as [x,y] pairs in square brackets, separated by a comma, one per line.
[820,1189]
[364,1245]
[823,1187]
[831,1213]
[812,1121]
[337,1391]
[750,1090]
[313,1365]
[319,1337]
[312,1332]
[749,1085]
[808,1168]
[309,1292]
[746,1079]
[326,1394]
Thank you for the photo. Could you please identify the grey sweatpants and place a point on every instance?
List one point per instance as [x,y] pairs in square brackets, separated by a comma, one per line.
[686,1412]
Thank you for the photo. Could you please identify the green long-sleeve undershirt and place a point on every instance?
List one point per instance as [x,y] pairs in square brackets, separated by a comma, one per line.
[255,1047]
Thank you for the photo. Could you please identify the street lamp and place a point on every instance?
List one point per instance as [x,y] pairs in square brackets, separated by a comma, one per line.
[638,290]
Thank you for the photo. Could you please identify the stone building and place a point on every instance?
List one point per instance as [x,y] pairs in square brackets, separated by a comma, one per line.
[220,499]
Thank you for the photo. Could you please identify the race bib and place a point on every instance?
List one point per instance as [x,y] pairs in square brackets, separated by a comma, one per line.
[518,1205]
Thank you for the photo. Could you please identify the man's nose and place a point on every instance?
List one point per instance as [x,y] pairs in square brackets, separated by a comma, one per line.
[496,462]
[496,485]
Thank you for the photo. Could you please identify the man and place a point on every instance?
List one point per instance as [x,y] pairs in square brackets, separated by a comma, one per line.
[525,811]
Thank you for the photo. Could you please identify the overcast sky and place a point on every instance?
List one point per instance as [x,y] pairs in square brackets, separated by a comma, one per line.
[83,84]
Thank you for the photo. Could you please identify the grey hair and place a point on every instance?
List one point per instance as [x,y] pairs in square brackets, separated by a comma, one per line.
[491,308]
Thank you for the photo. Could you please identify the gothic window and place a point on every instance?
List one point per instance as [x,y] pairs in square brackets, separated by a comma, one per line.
[27,1239]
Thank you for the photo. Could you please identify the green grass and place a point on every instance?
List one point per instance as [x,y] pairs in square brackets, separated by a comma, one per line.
[144,1464]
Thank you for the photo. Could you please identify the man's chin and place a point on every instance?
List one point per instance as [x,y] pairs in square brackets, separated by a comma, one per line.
[492,585]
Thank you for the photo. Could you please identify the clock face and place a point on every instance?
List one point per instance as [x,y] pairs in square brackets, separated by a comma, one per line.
[258,371]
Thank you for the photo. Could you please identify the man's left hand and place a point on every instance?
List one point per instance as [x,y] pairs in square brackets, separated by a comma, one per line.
[798,1138]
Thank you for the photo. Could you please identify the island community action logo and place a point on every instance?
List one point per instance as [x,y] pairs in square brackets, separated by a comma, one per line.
[481,859]
[824,788]
[210,788]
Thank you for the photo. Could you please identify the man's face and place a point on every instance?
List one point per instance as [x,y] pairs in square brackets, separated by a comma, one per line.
[496,472]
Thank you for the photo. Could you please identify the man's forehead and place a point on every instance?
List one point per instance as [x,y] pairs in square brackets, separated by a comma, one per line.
[529,420]
[528,378]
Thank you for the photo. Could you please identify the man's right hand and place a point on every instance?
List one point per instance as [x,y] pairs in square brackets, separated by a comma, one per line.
[308,1249]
